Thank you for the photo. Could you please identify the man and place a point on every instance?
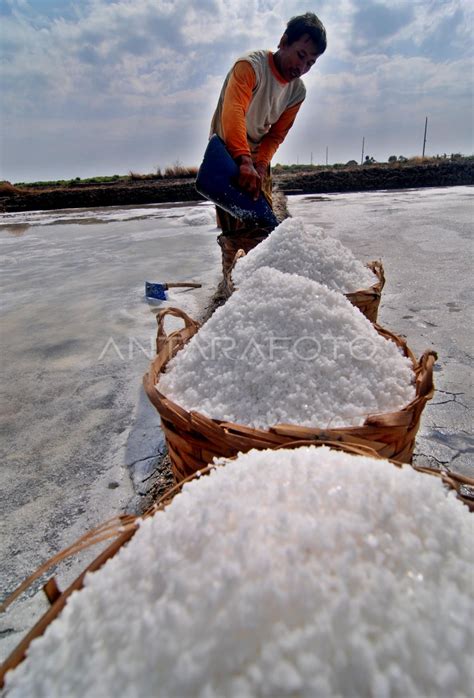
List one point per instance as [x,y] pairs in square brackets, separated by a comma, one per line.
[259,102]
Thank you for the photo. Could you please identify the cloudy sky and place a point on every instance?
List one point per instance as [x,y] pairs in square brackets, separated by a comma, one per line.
[91,87]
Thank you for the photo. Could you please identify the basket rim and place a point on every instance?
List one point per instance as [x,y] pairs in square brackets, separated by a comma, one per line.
[18,655]
[374,291]
[377,268]
[422,369]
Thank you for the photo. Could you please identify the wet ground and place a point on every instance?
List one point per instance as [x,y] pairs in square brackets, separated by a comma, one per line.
[80,441]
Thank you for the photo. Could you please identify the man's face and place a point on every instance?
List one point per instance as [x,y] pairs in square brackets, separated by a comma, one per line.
[297,58]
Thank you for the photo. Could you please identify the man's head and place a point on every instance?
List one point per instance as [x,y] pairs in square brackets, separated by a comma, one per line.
[300,46]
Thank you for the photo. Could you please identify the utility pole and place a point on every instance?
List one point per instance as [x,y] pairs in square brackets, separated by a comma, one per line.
[424,137]
[326,155]
[362,156]
[311,158]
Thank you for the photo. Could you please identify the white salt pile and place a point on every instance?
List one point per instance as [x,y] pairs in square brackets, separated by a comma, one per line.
[296,248]
[294,573]
[201,215]
[285,349]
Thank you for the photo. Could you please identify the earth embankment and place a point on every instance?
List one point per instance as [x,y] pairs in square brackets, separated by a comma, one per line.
[123,194]
[369,178]
[314,181]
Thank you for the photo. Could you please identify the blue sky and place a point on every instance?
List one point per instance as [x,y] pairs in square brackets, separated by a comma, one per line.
[100,87]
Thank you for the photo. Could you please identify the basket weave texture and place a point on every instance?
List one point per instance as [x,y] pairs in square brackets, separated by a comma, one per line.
[194,440]
[368,300]
[231,245]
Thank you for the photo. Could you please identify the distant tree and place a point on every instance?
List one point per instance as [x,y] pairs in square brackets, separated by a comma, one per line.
[392,158]
[7,188]
[352,163]
[402,158]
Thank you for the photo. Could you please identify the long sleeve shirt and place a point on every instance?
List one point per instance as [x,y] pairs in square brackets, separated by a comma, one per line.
[257,107]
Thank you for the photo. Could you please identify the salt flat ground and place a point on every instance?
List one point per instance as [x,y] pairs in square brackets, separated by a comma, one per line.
[77,335]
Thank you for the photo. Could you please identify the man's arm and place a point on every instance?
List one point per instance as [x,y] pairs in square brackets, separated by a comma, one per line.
[275,137]
[237,99]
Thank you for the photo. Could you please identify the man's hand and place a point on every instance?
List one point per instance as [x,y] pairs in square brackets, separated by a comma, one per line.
[249,178]
[262,169]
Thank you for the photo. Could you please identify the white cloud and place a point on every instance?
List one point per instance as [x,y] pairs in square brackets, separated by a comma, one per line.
[120,73]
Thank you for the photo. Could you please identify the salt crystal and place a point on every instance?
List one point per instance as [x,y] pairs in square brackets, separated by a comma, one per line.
[298,248]
[322,364]
[206,601]
[201,215]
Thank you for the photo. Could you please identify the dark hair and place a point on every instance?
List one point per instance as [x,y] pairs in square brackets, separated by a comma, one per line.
[307,24]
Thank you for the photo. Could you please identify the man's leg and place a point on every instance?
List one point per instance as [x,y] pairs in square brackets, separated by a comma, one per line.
[239,235]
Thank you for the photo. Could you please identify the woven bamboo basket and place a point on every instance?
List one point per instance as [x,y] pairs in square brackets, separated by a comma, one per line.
[366,300]
[122,529]
[231,245]
[194,440]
